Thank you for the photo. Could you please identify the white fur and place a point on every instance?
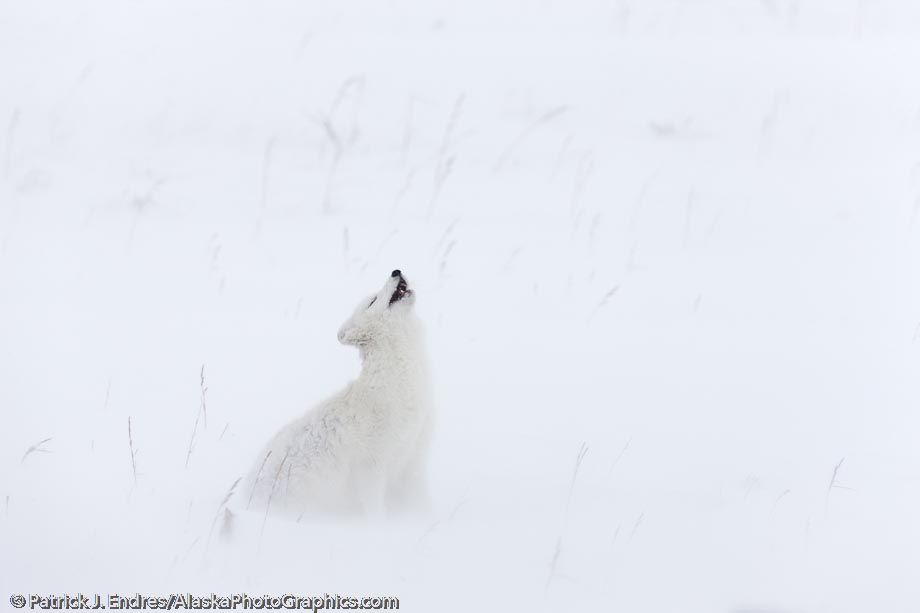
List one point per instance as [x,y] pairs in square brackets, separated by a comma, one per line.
[363,450]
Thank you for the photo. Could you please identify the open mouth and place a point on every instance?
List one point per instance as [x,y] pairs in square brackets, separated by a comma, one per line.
[402,290]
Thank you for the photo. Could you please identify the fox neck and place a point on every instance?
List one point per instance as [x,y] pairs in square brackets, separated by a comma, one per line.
[397,361]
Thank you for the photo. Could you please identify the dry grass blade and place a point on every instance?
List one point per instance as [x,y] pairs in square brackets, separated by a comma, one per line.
[202,410]
[778,499]
[832,485]
[36,448]
[579,458]
[271,496]
[204,400]
[443,264]
[553,563]
[619,456]
[636,526]
[603,302]
[543,119]
[406,186]
[437,523]
[133,452]
[222,506]
[444,163]
[582,452]
[258,476]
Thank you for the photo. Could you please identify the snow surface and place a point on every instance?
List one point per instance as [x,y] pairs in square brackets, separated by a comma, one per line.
[667,254]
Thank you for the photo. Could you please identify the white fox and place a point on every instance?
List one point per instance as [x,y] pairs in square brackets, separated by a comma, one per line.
[362,451]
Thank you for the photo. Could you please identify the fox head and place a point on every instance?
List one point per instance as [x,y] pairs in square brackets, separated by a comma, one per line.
[381,318]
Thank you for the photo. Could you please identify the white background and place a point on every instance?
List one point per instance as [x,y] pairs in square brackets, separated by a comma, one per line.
[683,235]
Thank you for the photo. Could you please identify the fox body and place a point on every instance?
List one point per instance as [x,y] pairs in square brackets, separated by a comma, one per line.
[362,451]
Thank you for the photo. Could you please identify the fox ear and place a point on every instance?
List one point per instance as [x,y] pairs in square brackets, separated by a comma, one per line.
[351,334]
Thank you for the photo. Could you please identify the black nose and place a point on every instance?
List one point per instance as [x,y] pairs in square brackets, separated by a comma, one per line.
[396,273]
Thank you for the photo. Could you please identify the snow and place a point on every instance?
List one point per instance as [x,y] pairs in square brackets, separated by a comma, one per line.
[679,237]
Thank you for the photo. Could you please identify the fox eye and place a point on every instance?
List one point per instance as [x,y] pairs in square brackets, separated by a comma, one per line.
[372,303]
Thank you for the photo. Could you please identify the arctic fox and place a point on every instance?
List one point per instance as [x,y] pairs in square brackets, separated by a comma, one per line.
[362,451]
